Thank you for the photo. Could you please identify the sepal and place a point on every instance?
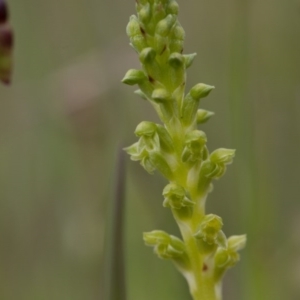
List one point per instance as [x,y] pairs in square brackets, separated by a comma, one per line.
[176,39]
[134,76]
[135,34]
[203,116]
[189,59]
[139,153]
[147,55]
[222,156]
[161,95]
[144,13]
[164,26]
[200,90]
[173,7]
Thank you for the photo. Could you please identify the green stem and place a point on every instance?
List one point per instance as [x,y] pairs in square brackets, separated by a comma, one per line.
[201,281]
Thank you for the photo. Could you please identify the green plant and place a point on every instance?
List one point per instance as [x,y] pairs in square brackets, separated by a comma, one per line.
[178,150]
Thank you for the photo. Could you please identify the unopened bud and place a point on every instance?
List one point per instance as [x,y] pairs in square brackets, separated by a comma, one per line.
[173,7]
[134,31]
[144,13]
[164,27]
[176,60]
[161,95]
[149,138]
[201,90]
[222,156]
[189,58]
[147,55]
[177,39]
[145,128]
[203,116]
[133,77]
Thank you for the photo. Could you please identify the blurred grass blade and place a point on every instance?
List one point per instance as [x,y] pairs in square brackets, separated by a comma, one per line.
[114,276]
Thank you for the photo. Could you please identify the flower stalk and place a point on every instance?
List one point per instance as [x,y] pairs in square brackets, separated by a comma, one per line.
[178,150]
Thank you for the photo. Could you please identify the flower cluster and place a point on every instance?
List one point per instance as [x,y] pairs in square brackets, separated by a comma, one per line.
[178,149]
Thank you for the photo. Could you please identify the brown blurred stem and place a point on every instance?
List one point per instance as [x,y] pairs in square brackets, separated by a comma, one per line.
[114,276]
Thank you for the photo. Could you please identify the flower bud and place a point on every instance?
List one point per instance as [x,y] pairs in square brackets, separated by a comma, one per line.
[164,27]
[189,59]
[144,13]
[145,128]
[147,55]
[134,31]
[133,27]
[222,156]
[159,12]
[133,77]
[175,197]
[203,116]
[177,39]
[173,7]
[191,102]
[176,60]
[149,139]
[200,90]
[225,258]
[160,44]
[161,95]
[194,145]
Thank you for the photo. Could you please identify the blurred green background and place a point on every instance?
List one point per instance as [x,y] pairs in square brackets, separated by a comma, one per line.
[66,114]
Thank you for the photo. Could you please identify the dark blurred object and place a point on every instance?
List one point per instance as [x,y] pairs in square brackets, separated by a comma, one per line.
[6,44]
